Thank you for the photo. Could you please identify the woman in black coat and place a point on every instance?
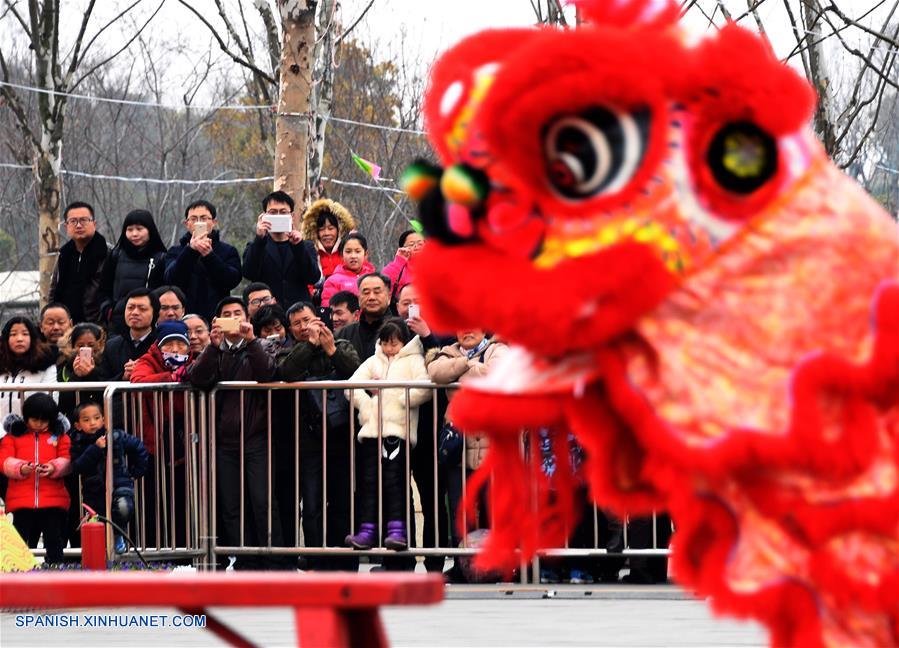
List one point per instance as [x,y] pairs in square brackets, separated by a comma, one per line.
[137,261]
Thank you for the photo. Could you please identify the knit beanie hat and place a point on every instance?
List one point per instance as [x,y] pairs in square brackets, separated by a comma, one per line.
[171,330]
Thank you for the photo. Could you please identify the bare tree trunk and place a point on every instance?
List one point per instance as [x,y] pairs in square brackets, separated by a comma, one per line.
[47,155]
[811,14]
[48,189]
[323,94]
[293,124]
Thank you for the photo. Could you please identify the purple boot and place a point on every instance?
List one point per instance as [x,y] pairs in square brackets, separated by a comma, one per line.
[396,535]
[366,537]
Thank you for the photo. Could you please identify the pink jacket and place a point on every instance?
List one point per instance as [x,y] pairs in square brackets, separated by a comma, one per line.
[343,279]
[400,272]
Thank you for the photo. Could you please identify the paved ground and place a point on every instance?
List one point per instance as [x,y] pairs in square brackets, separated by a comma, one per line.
[572,616]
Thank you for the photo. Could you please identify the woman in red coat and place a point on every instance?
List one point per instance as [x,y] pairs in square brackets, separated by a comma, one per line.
[35,455]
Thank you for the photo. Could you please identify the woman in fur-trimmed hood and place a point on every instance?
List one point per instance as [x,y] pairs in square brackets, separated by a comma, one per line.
[326,223]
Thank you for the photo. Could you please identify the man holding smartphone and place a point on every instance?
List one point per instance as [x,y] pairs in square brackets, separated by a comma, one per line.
[277,255]
[202,265]
[235,353]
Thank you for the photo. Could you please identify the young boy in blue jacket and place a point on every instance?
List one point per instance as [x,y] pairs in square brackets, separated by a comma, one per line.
[130,461]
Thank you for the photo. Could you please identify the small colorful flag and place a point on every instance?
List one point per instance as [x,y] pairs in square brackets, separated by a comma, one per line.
[370,168]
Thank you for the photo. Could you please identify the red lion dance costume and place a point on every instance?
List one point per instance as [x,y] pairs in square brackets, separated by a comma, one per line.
[693,290]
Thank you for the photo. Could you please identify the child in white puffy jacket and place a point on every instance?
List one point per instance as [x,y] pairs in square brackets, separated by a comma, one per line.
[398,357]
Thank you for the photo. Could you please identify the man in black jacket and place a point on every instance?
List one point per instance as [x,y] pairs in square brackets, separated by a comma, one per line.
[318,356]
[240,355]
[76,277]
[282,260]
[202,265]
[122,351]
[374,302]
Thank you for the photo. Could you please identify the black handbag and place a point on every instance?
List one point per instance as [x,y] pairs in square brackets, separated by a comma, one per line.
[450,445]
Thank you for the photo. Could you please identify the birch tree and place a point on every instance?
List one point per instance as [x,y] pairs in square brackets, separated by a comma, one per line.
[58,68]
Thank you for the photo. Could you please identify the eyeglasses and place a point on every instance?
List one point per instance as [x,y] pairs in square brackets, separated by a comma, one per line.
[278,212]
[174,308]
[198,219]
[78,222]
[260,301]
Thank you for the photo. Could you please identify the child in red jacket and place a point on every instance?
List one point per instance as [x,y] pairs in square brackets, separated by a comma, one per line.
[35,456]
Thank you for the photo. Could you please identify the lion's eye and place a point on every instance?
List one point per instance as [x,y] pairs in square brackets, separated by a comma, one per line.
[596,152]
[742,157]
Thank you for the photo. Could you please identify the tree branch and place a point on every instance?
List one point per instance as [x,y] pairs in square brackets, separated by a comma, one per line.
[832,8]
[724,10]
[803,55]
[224,47]
[75,56]
[866,59]
[244,49]
[120,50]
[355,22]
[271,36]
[14,104]
[752,8]
[12,8]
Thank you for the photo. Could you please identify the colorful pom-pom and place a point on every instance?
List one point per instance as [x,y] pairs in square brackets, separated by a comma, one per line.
[419,178]
[464,185]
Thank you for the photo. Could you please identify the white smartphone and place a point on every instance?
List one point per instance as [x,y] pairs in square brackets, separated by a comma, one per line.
[200,228]
[281,223]
[414,311]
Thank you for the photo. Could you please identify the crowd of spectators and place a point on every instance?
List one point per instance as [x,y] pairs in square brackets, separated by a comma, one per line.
[315,309]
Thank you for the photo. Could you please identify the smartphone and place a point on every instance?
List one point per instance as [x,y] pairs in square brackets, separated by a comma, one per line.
[85,353]
[414,311]
[324,314]
[228,324]
[281,223]
[201,228]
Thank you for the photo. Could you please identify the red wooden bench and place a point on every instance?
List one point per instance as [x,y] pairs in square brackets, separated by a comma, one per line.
[330,610]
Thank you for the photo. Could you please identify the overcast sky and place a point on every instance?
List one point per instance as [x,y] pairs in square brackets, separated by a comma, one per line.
[415,29]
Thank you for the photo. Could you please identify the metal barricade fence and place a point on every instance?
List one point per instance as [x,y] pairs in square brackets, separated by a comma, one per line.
[294,420]
[177,512]
[170,502]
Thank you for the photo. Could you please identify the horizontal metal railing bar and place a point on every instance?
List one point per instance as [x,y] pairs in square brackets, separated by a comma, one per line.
[425,551]
[173,386]
[334,384]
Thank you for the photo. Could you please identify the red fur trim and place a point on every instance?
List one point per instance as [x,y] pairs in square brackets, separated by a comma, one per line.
[503,413]
[514,522]
[555,75]
[615,459]
[521,519]
[456,66]
[548,321]
[706,531]
[734,75]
